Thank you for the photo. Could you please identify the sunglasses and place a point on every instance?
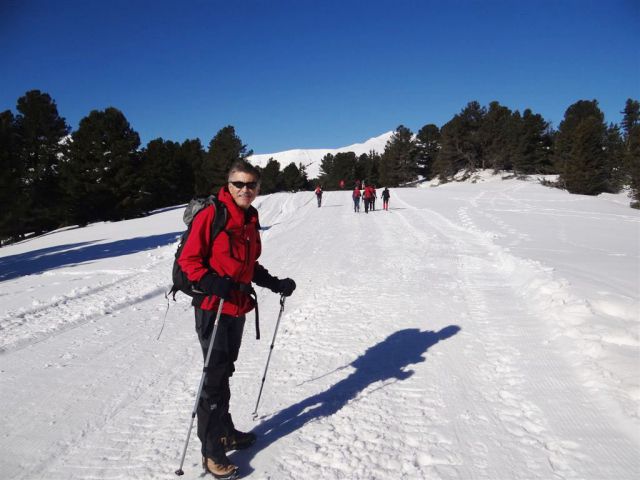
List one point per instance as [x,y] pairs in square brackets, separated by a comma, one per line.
[241,185]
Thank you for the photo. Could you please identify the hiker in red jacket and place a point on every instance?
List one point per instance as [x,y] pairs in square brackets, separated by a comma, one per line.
[368,196]
[356,199]
[318,192]
[224,269]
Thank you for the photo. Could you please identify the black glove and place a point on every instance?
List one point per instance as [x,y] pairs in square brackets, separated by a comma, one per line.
[212,284]
[286,286]
[263,278]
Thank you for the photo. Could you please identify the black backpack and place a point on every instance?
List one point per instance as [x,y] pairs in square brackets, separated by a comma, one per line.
[180,281]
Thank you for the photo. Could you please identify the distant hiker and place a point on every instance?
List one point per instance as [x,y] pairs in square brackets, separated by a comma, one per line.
[385,198]
[224,270]
[368,196]
[373,198]
[356,199]
[319,194]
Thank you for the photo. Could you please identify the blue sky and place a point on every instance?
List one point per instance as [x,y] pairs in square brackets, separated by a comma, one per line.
[316,74]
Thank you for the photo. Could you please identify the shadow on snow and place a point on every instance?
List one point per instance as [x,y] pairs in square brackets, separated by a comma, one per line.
[50,258]
[385,361]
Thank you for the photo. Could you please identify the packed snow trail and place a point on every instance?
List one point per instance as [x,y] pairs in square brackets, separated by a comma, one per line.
[421,343]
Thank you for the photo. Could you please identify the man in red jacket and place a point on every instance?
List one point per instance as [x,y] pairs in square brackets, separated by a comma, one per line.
[224,269]
[368,197]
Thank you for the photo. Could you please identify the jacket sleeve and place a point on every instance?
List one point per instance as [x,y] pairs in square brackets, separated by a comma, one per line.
[263,278]
[197,248]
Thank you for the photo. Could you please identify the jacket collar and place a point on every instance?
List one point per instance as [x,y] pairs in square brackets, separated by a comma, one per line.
[238,215]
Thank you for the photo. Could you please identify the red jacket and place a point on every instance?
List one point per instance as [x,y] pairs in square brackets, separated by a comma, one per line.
[368,192]
[234,252]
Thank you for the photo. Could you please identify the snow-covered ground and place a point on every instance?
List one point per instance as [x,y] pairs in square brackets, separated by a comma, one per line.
[483,330]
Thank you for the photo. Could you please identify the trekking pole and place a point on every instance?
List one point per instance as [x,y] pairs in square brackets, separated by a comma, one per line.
[204,374]
[264,376]
[164,320]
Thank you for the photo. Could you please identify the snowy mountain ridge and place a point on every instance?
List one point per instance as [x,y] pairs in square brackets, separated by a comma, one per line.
[311,158]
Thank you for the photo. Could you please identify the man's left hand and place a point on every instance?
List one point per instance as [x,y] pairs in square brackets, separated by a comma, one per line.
[286,286]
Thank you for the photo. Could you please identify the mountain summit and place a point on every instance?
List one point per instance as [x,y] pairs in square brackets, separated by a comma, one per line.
[311,158]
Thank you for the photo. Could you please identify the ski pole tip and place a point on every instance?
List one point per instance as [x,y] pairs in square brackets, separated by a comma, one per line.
[179,472]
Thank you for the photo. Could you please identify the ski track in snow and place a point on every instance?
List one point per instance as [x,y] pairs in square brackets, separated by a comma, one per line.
[420,355]
[505,333]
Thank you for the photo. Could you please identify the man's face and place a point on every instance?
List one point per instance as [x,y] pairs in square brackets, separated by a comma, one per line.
[242,192]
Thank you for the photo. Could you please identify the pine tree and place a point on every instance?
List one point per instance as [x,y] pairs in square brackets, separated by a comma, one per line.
[533,147]
[428,145]
[614,151]
[101,176]
[633,162]
[450,158]
[585,171]
[271,181]
[362,170]
[367,168]
[10,179]
[497,135]
[579,149]
[327,167]
[224,149]
[192,154]
[344,167]
[631,118]
[399,162]
[292,180]
[304,177]
[334,168]
[40,131]
[167,176]
[631,136]
[461,144]
[185,176]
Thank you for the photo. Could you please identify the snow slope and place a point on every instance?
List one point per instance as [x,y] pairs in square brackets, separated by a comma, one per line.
[474,331]
[311,158]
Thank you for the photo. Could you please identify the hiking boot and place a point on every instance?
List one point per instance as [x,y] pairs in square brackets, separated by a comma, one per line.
[221,469]
[237,440]
[234,439]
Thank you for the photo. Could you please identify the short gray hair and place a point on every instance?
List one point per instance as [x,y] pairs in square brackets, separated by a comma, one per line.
[245,167]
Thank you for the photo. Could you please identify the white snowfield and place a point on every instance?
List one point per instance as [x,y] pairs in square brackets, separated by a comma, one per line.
[482,330]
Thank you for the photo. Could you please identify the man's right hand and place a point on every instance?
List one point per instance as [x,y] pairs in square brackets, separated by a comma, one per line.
[219,286]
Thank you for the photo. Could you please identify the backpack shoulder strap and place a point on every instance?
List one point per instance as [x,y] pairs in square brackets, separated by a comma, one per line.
[220,217]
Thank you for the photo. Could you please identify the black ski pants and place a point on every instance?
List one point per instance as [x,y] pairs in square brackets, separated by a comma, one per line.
[214,420]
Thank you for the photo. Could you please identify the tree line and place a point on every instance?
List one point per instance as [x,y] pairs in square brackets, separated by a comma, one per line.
[51,177]
[588,155]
